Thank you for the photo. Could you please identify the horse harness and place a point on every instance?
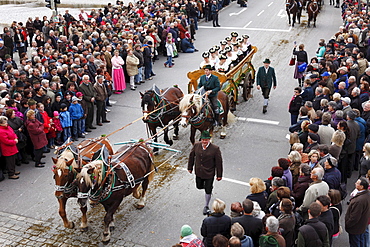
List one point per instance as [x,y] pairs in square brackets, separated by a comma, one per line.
[290,5]
[162,103]
[314,4]
[69,189]
[102,193]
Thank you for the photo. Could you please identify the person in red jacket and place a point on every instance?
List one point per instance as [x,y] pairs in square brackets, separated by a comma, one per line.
[38,137]
[8,146]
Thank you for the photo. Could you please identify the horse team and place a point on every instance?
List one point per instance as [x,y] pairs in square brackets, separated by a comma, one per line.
[92,171]
[294,8]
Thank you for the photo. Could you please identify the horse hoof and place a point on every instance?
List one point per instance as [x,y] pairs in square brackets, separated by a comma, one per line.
[175,137]
[111,228]
[106,242]
[84,229]
[70,225]
[139,206]
[222,137]
[170,142]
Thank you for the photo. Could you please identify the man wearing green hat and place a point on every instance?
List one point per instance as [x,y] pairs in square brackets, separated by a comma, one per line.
[211,84]
[265,79]
[207,159]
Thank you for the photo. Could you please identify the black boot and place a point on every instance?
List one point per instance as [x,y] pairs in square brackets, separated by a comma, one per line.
[217,120]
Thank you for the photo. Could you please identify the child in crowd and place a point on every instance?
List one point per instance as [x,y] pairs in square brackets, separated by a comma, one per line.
[65,121]
[169,50]
[84,107]
[57,128]
[67,98]
[77,113]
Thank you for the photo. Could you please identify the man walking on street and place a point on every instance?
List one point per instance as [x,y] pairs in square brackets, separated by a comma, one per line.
[265,79]
[211,84]
[358,214]
[214,12]
[207,160]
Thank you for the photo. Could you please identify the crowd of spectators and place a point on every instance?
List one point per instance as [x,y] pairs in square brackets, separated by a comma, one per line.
[300,204]
[57,73]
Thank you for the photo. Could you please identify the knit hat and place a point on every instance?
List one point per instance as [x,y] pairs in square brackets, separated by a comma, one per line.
[313,127]
[63,105]
[314,137]
[56,113]
[186,230]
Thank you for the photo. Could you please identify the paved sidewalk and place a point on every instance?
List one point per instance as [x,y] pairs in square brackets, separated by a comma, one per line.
[18,230]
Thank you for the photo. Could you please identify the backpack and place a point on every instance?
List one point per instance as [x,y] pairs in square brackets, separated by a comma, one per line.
[268,241]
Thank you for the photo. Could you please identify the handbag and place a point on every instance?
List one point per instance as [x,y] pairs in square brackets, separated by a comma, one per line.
[302,67]
[292,61]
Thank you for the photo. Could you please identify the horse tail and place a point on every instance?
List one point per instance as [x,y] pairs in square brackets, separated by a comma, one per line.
[231,118]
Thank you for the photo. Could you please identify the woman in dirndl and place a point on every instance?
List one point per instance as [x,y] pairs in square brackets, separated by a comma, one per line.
[301,55]
[118,76]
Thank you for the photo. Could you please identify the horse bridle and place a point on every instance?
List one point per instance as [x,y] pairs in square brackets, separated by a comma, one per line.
[67,189]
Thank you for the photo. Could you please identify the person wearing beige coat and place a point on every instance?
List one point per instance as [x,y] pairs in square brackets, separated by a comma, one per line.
[131,67]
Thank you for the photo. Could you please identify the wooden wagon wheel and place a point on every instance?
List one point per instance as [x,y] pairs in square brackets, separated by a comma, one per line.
[233,96]
[247,87]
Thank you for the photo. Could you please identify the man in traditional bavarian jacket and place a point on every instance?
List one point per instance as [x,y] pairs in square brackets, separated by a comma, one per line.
[211,84]
[266,78]
[208,162]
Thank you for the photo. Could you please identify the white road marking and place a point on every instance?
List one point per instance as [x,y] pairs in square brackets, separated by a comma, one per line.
[247,24]
[250,28]
[260,13]
[282,14]
[256,120]
[225,179]
[270,4]
[238,13]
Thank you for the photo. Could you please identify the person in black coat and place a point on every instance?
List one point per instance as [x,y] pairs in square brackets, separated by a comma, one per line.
[301,58]
[314,232]
[216,223]
[332,175]
[252,226]
[294,105]
[326,215]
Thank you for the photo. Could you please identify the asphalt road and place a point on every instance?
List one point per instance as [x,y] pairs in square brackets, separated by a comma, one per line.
[249,150]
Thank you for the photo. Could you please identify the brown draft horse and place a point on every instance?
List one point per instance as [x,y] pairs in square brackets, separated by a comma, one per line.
[168,102]
[200,115]
[312,10]
[293,9]
[130,168]
[67,165]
